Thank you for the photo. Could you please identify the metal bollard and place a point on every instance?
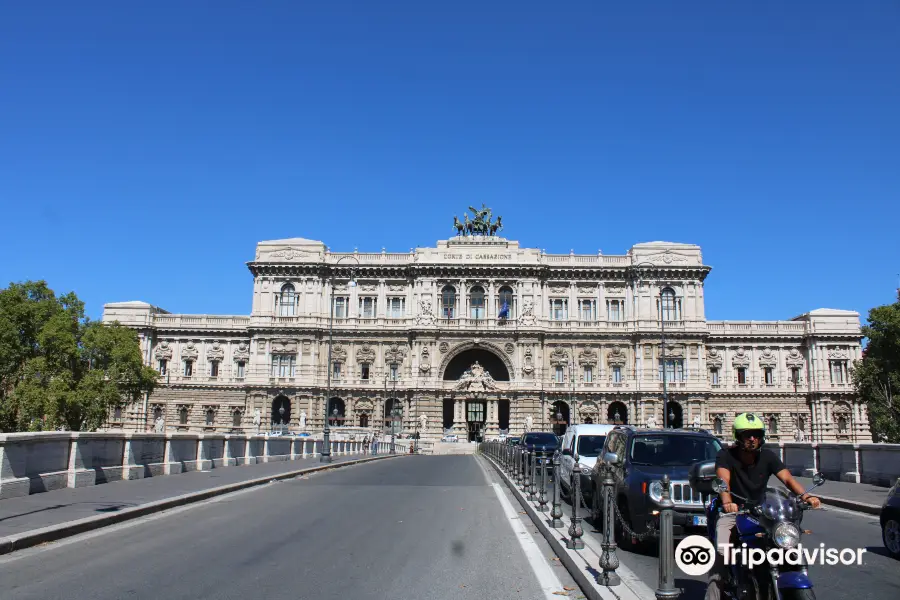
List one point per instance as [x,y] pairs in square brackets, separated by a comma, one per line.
[556,512]
[666,587]
[609,560]
[575,531]
[532,491]
[526,482]
[518,466]
[542,496]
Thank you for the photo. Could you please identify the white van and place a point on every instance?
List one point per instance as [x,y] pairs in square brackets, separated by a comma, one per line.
[585,442]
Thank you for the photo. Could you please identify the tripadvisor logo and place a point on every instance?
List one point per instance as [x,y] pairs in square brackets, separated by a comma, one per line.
[695,555]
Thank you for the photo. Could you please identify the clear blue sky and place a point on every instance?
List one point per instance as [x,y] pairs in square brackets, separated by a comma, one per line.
[146,147]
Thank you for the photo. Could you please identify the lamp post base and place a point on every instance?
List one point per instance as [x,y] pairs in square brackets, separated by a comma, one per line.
[325,458]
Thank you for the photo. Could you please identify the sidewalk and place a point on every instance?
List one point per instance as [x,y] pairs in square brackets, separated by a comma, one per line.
[861,497]
[37,511]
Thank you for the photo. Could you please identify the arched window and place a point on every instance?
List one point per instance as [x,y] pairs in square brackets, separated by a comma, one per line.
[157,413]
[476,302]
[801,424]
[236,419]
[505,298]
[717,425]
[363,420]
[669,305]
[117,414]
[842,424]
[448,302]
[773,425]
[183,415]
[286,301]
[210,417]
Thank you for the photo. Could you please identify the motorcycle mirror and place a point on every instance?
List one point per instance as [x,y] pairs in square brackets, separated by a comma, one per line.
[818,479]
[719,485]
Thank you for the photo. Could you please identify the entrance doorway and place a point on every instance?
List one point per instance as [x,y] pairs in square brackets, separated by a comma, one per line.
[476,417]
[559,417]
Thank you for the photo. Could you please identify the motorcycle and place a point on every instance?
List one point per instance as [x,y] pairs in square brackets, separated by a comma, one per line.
[773,523]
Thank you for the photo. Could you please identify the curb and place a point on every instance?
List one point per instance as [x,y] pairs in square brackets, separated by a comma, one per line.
[579,567]
[59,531]
[863,507]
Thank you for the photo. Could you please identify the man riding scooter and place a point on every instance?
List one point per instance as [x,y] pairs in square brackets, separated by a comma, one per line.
[745,468]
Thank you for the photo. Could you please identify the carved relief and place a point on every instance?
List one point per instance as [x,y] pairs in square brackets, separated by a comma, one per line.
[476,379]
[242,352]
[587,357]
[616,357]
[394,354]
[559,357]
[559,289]
[527,316]
[366,354]
[189,352]
[837,354]
[794,359]
[528,366]
[740,358]
[668,257]
[444,346]
[283,346]
[714,358]
[163,351]
[425,316]
[767,358]
[397,288]
[338,353]
[368,288]
[364,405]
[615,290]
[674,351]
[425,361]
[509,348]
[215,352]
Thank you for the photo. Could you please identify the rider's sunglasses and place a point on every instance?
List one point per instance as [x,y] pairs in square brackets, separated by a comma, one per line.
[751,434]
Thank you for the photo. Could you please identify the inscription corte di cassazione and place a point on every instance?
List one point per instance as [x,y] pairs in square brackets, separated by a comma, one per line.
[475,256]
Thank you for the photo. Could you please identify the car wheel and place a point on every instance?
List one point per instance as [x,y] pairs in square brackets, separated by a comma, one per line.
[890,534]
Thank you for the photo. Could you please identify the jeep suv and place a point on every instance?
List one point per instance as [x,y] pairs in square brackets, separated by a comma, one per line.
[644,456]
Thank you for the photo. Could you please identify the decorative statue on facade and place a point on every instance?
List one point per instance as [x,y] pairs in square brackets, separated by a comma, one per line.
[302,419]
[159,426]
[480,225]
[696,422]
[529,423]
[527,316]
[423,421]
[425,316]
[651,422]
[257,418]
[476,379]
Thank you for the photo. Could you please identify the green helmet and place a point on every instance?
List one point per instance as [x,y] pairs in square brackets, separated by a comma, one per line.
[747,422]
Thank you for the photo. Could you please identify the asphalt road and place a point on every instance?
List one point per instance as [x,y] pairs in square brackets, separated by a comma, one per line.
[425,527]
[877,579]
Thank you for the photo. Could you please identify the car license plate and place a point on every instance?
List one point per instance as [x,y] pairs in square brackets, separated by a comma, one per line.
[700,521]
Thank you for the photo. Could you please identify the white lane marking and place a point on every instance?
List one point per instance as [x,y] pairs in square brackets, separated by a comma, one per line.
[546,577]
[856,513]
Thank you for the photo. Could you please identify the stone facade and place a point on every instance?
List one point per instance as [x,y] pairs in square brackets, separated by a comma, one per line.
[581,341]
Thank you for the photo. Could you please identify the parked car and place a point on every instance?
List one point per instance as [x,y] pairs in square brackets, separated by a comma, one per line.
[513,441]
[584,442]
[645,455]
[450,438]
[890,521]
[543,442]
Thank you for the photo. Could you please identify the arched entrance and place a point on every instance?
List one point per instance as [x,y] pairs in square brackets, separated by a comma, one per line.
[674,415]
[336,412]
[559,417]
[490,361]
[617,413]
[281,411]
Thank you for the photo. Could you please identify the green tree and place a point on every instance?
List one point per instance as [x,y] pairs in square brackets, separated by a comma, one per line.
[877,375]
[58,368]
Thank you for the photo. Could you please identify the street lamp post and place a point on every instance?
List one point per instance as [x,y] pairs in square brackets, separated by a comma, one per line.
[325,457]
[572,398]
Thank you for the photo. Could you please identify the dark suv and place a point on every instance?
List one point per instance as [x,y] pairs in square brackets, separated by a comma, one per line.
[544,443]
[644,456]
